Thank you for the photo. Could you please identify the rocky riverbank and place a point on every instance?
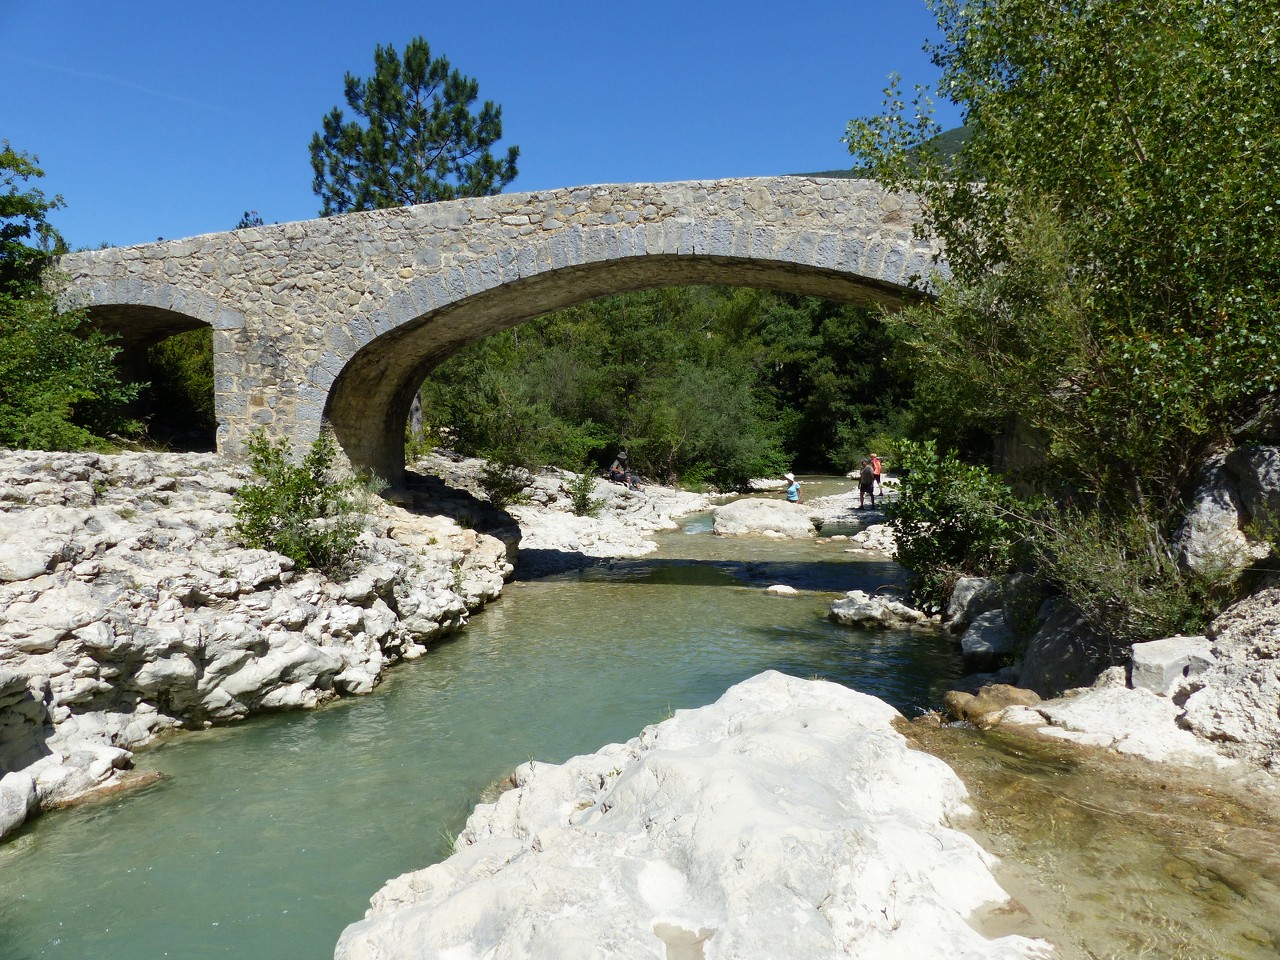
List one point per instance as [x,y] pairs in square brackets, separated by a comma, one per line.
[1210,701]
[552,536]
[126,609]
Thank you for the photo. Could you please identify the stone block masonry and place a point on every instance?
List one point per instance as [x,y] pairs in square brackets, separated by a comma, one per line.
[340,319]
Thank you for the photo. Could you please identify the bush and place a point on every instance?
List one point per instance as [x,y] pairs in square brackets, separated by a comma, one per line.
[59,389]
[581,488]
[1123,575]
[953,519]
[304,510]
[505,484]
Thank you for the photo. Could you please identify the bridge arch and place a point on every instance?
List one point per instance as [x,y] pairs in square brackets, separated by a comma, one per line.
[340,319]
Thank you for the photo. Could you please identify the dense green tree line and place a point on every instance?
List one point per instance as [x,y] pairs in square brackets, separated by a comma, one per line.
[1110,228]
[700,384]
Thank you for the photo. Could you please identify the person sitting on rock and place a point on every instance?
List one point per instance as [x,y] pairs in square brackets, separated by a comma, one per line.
[620,473]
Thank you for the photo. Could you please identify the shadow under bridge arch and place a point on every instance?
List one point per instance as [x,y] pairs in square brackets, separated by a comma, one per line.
[368,401]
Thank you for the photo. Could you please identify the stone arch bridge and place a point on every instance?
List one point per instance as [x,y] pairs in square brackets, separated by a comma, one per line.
[340,319]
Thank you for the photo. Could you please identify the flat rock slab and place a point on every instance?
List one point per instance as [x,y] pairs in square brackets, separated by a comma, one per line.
[769,518]
[1134,722]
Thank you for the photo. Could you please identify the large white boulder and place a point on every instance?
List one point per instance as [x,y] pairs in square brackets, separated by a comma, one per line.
[1237,703]
[988,638]
[1212,539]
[124,596]
[770,518]
[789,819]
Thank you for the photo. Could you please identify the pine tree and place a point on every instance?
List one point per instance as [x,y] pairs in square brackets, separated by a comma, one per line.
[418,139]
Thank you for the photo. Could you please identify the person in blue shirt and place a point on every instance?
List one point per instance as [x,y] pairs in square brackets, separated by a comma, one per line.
[793,488]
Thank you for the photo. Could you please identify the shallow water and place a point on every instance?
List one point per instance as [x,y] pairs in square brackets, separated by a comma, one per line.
[1116,859]
[269,837]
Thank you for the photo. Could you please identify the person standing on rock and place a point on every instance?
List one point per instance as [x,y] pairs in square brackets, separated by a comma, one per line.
[793,488]
[866,485]
[875,471]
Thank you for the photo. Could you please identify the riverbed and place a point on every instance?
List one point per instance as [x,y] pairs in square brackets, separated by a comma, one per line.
[266,838]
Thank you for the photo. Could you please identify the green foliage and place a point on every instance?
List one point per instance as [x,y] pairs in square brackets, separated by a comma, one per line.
[180,395]
[1123,575]
[416,446]
[581,489]
[250,218]
[302,510]
[1117,197]
[417,139]
[505,484]
[59,389]
[701,384]
[27,239]
[952,519]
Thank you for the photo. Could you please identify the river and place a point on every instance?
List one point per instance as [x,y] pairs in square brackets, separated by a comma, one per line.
[268,837]
[265,839]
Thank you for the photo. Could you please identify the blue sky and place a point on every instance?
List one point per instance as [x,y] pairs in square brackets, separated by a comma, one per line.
[170,119]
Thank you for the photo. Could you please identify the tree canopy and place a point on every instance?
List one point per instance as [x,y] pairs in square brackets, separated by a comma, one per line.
[1109,225]
[701,384]
[418,138]
[26,236]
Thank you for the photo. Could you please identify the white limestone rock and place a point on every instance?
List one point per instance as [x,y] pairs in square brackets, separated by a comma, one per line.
[788,819]
[769,518]
[877,538]
[1164,666]
[970,598]
[17,799]
[1237,701]
[551,535]
[988,638]
[1257,472]
[122,595]
[1134,722]
[843,508]
[869,611]
[1212,538]
[1064,653]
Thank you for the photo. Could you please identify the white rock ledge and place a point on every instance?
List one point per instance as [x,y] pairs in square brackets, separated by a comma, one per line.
[787,820]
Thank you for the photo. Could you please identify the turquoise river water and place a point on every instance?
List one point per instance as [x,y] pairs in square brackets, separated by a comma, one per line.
[265,839]
[268,837]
